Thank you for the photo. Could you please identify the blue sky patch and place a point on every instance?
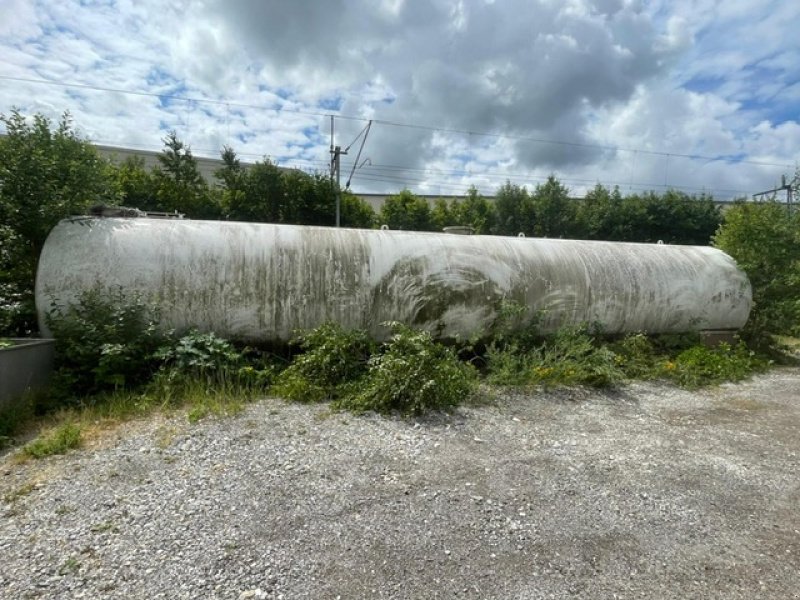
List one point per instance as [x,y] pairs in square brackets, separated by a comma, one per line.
[334,103]
[703,85]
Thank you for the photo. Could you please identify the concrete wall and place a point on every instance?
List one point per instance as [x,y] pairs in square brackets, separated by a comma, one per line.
[261,282]
[25,365]
[206,166]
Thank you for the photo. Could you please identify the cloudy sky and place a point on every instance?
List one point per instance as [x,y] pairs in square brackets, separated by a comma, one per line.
[692,94]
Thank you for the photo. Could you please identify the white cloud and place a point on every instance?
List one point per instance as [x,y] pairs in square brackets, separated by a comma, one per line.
[693,77]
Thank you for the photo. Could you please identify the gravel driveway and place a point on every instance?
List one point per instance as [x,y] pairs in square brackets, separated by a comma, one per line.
[642,492]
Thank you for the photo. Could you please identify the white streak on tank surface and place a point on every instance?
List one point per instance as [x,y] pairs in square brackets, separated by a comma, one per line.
[262,282]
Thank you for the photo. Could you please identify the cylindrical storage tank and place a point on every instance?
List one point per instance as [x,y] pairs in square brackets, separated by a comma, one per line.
[262,282]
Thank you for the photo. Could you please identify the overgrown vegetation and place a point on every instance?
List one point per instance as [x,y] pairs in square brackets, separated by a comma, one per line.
[46,173]
[700,366]
[573,355]
[411,375]
[104,341]
[115,361]
[58,441]
[331,362]
[764,239]
[518,355]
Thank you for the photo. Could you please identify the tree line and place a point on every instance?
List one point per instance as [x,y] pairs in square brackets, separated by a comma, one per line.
[548,210]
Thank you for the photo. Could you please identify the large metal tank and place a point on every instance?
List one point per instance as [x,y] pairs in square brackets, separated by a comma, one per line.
[261,282]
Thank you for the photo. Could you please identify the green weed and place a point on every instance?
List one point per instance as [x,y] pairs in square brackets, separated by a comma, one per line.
[106,340]
[199,354]
[58,441]
[70,566]
[413,374]
[332,359]
[700,366]
[20,492]
[636,356]
[571,356]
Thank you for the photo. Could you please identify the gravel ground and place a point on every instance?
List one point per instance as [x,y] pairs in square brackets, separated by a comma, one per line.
[642,492]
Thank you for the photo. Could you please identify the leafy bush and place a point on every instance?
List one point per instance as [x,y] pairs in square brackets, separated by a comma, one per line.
[571,356]
[16,297]
[412,375]
[207,372]
[636,356]
[513,328]
[575,355]
[331,358]
[199,354]
[106,340]
[699,366]
[47,173]
[511,339]
[507,366]
[764,239]
[406,211]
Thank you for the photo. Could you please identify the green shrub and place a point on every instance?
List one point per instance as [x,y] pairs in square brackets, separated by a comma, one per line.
[47,173]
[199,354]
[571,356]
[58,441]
[331,358]
[514,329]
[110,342]
[574,356]
[764,239]
[106,340]
[511,338]
[208,373]
[636,356]
[507,366]
[412,375]
[699,366]
[17,313]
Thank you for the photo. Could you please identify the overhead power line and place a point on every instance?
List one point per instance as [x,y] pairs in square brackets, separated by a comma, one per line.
[464,187]
[404,175]
[508,136]
[718,158]
[227,103]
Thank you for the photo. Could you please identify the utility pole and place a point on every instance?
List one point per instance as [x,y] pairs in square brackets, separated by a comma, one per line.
[336,154]
[336,166]
[782,187]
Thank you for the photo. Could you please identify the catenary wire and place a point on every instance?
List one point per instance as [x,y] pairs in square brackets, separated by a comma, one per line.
[719,158]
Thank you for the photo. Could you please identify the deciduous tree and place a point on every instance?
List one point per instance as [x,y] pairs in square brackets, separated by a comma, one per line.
[47,173]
